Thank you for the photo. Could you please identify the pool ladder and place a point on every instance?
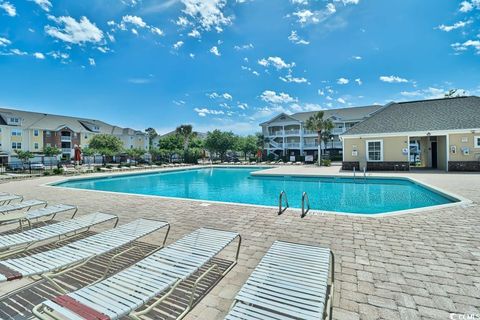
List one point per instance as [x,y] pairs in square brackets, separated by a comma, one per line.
[280,202]
[305,198]
[364,173]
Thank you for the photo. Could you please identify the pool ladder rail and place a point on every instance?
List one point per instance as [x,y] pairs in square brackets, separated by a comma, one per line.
[280,202]
[364,173]
[305,198]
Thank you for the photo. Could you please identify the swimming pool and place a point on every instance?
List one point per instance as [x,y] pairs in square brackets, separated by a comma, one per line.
[238,185]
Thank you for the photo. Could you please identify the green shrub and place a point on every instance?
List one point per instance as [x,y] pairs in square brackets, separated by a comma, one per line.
[46,173]
[57,171]
[271,157]
[326,162]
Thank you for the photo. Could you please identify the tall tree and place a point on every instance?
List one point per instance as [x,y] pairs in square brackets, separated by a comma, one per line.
[152,134]
[317,123]
[51,151]
[106,145]
[247,145]
[185,131]
[219,142]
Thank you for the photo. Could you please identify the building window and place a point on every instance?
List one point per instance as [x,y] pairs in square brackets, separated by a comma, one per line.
[374,150]
[16,145]
[35,133]
[476,140]
[16,132]
[35,145]
[86,137]
[48,133]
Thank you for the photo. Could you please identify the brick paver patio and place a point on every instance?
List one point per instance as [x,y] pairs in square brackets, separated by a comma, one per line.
[414,266]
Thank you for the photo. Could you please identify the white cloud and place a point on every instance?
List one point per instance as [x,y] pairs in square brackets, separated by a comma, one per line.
[139,80]
[131,3]
[296,107]
[242,106]
[357,57]
[341,100]
[177,45]
[73,31]
[290,78]
[39,55]
[44,4]
[456,25]
[343,81]
[347,2]
[4,42]
[135,20]
[214,50]
[465,6]
[208,14]
[226,96]
[274,98]
[467,44]
[157,31]
[243,47]
[429,93]
[302,2]
[393,79]
[9,8]
[202,112]
[194,33]
[276,62]
[293,37]
[91,62]
[359,81]
[192,55]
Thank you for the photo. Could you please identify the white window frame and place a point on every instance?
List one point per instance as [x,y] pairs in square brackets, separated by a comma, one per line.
[36,132]
[476,142]
[35,145]
[367,153]
[16,132]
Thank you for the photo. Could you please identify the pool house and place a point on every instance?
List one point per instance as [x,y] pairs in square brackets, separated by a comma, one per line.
[441,134]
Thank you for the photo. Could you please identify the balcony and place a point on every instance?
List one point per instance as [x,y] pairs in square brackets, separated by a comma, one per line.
[310,132]
[310,145]
[66,139]
[292,145]
[292,132]
[276,133]
[66,150]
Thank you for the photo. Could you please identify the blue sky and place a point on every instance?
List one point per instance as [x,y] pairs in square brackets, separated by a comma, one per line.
[231,64]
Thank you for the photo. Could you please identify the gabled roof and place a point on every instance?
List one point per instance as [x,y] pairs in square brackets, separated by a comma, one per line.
[424,115]
[341,114]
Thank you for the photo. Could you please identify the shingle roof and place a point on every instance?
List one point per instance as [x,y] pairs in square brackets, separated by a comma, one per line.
[345,114]
[424,115]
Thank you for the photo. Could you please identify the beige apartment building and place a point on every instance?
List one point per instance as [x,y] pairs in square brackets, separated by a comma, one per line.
[429,134]
[32,131]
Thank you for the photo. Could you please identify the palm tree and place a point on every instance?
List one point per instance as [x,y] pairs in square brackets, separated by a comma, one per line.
[318,124]
[186,131]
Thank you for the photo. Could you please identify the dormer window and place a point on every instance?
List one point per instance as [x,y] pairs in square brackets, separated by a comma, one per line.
[15,121]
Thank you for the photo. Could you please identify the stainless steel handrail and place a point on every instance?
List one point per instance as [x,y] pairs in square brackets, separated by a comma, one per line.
[280,210]
[305,196]
[365,173]
[353,172]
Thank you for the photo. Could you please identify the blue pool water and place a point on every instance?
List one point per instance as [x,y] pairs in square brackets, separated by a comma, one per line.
[237,185]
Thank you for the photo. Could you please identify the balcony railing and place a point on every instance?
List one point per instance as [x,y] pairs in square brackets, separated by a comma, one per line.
[292,145]
[65,138]
[292,132]
[66,150]
[309,132]
[276,133]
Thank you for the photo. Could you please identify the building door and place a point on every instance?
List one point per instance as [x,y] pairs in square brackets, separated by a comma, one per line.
[433,146]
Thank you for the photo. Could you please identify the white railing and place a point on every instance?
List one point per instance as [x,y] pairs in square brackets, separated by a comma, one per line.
[276,133]
[292,132]
[66,138]
[309,132]
[310,145]
[338,130]
[292,145]
[66,150]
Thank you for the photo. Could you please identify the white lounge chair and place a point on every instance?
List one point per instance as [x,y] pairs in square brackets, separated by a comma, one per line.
[125,292]
[54,262]
[292,281]
[7,198]
[22,205]
[14,243]
[49,211]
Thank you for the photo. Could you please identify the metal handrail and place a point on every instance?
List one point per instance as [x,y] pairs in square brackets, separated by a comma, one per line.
[365,173]
[280,210]
[353,172]
[305,196]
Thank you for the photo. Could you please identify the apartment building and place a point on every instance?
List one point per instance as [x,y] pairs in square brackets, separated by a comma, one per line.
[286,135]
[32,131]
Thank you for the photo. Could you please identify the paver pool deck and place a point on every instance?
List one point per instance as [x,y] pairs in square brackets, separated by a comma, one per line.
[423,265]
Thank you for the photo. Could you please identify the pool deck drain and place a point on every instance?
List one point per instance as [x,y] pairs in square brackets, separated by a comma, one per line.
[422,265]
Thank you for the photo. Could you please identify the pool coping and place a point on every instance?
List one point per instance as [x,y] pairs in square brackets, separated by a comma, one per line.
[462,201]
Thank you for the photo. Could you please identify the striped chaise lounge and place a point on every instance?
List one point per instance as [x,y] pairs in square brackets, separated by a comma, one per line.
[22,205]
[36,214]
[157,275]
[7,198]
[17,242]
[51,263]
[292,281]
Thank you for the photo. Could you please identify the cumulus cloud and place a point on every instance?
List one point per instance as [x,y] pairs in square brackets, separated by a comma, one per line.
[207,14]
[293,37]
[357,58]
[429,93]
[194,33]
[215,95]
[459,24]
[91,62]
[214,50]
[39,55]
[44,4]
[341,100]
[276,98]
[393,79]
[277,62]
[359,81]
[73,31]
[243,47]
[467,44]
[4,42]
[343,81]
[8,8]
[290,78]
[202,112]
[177,45]
[465,6]
[134,20]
